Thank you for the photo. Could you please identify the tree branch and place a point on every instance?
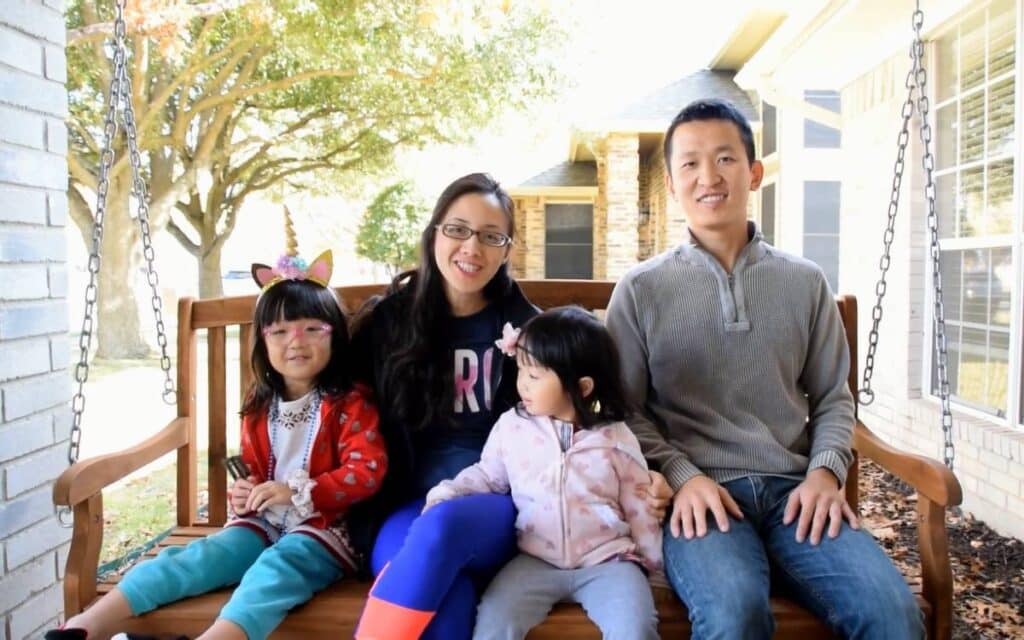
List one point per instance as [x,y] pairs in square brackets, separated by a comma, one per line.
[178,234]
[100,30]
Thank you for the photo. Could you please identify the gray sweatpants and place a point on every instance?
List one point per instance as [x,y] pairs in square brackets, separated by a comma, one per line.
[615,595]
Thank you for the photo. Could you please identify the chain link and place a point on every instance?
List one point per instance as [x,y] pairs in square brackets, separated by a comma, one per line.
[917,81]
[120,93]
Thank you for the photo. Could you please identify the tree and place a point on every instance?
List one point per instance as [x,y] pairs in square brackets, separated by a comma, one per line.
[238,97]
[390,231]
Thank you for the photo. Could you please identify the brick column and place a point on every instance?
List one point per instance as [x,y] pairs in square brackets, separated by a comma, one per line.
[623,202]
[601,212]
[34,382]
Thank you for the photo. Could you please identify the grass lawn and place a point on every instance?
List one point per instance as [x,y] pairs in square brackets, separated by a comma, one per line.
[142,508]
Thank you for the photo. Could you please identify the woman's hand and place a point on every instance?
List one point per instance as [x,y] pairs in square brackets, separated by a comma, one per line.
[267,494]
[657,495]
[240,490]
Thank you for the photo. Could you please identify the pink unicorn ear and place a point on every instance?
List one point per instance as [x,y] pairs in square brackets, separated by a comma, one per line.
[262,274]
[320,269]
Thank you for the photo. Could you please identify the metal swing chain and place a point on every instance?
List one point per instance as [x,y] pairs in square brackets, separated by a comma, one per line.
[120,92]
[917,79]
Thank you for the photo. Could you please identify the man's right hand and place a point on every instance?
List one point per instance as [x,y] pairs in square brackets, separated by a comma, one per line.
[690,507]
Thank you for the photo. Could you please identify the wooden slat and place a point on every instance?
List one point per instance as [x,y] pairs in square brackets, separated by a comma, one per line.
[186,465]
[244,360]
[217,415]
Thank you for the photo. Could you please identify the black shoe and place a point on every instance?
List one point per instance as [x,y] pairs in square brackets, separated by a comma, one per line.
[65,634]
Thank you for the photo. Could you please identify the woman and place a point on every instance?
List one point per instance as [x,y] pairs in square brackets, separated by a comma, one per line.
[428,350]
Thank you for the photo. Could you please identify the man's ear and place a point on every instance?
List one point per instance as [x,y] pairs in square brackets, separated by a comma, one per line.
[586,386]
[757,175]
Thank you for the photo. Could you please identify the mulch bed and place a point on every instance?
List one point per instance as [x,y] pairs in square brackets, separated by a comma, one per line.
[988,569]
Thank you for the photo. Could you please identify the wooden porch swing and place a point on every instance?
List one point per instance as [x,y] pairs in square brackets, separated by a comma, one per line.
[334,612]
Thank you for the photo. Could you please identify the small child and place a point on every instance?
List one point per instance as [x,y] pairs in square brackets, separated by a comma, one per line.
[310,442]
[577,477]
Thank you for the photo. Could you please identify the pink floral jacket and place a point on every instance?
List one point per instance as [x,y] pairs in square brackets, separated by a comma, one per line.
[575,492]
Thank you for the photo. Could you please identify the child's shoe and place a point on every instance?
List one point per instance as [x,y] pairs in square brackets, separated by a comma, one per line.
[65,634]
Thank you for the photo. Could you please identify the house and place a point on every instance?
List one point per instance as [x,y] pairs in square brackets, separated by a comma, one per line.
[824,85]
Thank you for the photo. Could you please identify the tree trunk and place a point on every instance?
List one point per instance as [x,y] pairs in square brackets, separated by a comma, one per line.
[210,283]
[119,334]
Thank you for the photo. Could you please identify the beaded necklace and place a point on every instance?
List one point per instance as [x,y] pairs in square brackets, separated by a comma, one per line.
[312,414]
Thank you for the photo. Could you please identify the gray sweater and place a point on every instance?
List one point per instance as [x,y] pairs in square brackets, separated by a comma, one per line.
[736,374]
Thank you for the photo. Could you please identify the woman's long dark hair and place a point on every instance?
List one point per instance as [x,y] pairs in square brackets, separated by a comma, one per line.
[294,300]
[417,380]
[574,344]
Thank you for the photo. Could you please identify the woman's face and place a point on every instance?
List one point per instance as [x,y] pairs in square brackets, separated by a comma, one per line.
[467,265]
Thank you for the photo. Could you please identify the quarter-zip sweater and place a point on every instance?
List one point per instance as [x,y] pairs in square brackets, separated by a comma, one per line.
[575,491]
[736,374]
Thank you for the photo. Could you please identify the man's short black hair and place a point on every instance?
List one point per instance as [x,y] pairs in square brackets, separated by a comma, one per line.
[711,109]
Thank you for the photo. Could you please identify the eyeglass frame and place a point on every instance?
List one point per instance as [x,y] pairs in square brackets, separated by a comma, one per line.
[299,331]
[479,233]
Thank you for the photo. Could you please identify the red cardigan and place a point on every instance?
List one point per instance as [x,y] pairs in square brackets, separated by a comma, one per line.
[348,458]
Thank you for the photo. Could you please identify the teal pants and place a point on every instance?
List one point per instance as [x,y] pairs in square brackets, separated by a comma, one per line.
[271,579]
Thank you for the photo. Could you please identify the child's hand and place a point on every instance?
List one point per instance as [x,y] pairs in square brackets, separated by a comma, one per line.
[657,495]
[240,490]
[267,494]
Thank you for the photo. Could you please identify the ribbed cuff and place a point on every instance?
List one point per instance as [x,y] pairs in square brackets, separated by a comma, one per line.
[678,471]
[832,461]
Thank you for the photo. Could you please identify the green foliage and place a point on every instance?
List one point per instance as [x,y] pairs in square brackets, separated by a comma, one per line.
[390,230]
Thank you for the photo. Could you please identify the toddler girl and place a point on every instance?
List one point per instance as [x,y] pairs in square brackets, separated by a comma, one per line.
[578,479]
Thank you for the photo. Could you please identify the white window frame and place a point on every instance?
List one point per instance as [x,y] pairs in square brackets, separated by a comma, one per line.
[1014,409]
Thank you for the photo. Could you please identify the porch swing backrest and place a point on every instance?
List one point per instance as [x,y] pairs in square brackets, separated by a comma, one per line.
[337,609]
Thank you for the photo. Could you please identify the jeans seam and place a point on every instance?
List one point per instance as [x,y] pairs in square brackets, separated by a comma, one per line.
[695,619]
[808,589]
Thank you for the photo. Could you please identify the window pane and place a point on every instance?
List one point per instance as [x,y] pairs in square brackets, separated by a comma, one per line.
[975,277]
[1001,27]
[945,204]
[768,132]
[972,52]
[973,367]
[1001,287]
[1000,118]
[569,261]
[821,206]
[946,123]
[971,203]
[572,223]
[999,212]
[946,71]
[997,370]
[817,135]
[768,213]
[972,127]
[952,284]
[824,251]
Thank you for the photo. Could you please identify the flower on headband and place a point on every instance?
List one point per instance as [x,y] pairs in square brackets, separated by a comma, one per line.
[508,341]
[294,268]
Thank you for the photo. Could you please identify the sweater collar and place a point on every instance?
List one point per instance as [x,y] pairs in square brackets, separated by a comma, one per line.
[754,250]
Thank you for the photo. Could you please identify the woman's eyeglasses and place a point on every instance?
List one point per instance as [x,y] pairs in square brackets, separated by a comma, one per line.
[462,232]
[281,333]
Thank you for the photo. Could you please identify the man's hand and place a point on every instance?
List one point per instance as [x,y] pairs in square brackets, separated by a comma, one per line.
[695,498]
[818,499]
[657,495]
[240,490]
[267,494]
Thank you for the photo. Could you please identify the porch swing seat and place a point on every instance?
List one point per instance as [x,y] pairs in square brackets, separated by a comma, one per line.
[334,612]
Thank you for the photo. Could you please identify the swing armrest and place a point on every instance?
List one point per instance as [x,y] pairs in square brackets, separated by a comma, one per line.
[930,478]
[87,478]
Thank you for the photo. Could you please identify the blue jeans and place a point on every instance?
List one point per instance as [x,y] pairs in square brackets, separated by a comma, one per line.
[725,578]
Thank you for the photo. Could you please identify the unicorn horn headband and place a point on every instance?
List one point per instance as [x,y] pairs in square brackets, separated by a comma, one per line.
[290,266]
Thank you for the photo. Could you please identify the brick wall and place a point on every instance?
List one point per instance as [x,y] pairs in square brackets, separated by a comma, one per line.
[623,197]
[989,455]
[34,382]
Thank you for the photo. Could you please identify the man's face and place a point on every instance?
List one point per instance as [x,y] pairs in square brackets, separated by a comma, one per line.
[710,175]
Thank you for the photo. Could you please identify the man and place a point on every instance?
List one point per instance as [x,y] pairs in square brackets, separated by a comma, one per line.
[736,355]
